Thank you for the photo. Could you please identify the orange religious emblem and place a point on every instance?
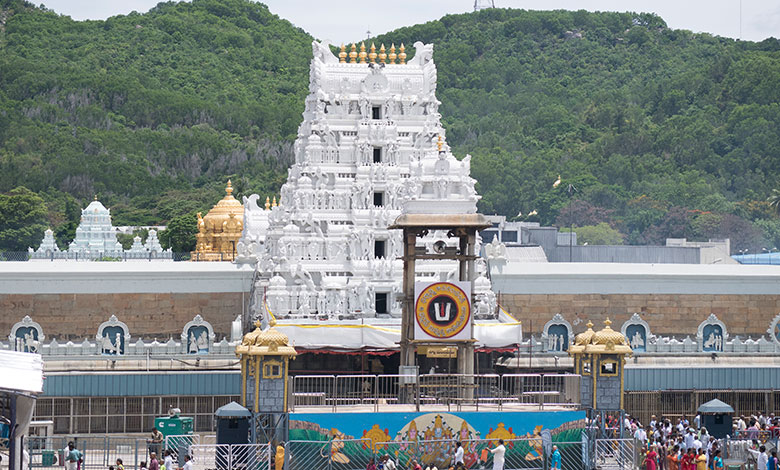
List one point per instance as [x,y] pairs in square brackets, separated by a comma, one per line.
[376,436]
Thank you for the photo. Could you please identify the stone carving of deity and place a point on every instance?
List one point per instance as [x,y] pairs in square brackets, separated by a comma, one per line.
[303,302]
[193,346]
[365,106]
[637,341]
[321,303]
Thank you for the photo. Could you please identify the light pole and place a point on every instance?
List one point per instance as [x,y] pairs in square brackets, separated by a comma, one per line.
[571,189]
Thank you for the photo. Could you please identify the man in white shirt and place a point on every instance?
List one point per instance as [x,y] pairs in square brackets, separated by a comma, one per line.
[741,425]
[389,464]
[168,462]
[187,463]
[458,455]
[760,456]
[640,435]
[689,438]
[498,455]
[696,443]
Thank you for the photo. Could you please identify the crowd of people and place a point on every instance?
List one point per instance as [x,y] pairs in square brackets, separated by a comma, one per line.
[687,445]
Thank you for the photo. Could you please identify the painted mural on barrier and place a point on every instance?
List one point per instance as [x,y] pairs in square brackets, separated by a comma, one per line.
[429,437]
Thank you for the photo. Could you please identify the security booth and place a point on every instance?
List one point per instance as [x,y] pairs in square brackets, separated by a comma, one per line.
[233,424]
[716,416]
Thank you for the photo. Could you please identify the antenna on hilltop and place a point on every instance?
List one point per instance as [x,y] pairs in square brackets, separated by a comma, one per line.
[483,4]
[368,33]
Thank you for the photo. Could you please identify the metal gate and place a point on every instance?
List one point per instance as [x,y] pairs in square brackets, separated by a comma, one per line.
[617,454]
[230,456]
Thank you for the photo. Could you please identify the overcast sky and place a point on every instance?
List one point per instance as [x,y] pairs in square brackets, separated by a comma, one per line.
[342,21]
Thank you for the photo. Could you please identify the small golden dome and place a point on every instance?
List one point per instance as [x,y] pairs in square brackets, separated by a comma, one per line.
[221,212]
[608,335]
[250,339]
[585,337]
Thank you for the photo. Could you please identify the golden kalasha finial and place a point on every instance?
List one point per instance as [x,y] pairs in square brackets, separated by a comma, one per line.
[382,54]
[343,54]
[95,198]
[590,324]
[440,143]
[353,54]
[372,54]
[267,203]
[229,188]
[402,55]
[273,204]
[607,321]
[392,55]
[362,54]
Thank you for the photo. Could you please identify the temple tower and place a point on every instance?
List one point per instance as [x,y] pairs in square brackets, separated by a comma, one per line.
[370,146]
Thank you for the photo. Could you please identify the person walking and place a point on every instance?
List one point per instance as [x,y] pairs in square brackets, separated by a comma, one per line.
[187,463]
[73,458]
[555,459]
[279,458]
[717,461]
[760,456]
[120,465]
[651,459]
[154,464]
[701,460]
[389,464]
[371,464]
[458,461]
[771,463]
[498,455]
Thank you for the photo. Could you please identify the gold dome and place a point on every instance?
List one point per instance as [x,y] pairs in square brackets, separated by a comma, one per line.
[220,230]
[608,335]
[222,211]
[250,339]
[270,342]
[585,337]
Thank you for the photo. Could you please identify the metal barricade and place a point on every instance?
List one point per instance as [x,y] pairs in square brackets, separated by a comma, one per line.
[230,456]
[179,445]
[98,452]
[312,390]
[617,454]
[310,455]
[355,390]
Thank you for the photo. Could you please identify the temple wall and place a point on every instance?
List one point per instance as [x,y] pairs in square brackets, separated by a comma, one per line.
[147,315]
[667,314]
[672,298]
[155,299]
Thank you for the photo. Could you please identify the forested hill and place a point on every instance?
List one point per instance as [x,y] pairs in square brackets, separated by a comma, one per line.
[662,132]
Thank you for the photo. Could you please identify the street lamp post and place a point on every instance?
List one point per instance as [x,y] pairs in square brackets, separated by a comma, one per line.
[571,189]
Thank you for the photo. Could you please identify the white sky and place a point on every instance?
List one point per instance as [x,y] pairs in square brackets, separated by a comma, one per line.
[342,21]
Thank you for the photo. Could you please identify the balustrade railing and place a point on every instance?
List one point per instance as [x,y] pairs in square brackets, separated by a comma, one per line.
[451,390]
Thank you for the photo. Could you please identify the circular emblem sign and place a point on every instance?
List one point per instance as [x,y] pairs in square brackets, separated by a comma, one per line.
[442,310]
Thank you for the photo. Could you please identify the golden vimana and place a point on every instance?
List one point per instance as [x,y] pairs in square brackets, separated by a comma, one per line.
[356,57]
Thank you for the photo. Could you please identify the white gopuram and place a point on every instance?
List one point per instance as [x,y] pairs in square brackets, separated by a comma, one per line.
[95,236]
[370,146]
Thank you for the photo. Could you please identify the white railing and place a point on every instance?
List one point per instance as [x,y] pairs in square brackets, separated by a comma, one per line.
[451,390]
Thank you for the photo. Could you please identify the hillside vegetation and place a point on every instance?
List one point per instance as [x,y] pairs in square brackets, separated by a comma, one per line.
[663,133]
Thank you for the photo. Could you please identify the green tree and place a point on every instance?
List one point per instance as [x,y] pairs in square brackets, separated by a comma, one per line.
[600,234]
[180,234]
[774,200]
[22,219]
